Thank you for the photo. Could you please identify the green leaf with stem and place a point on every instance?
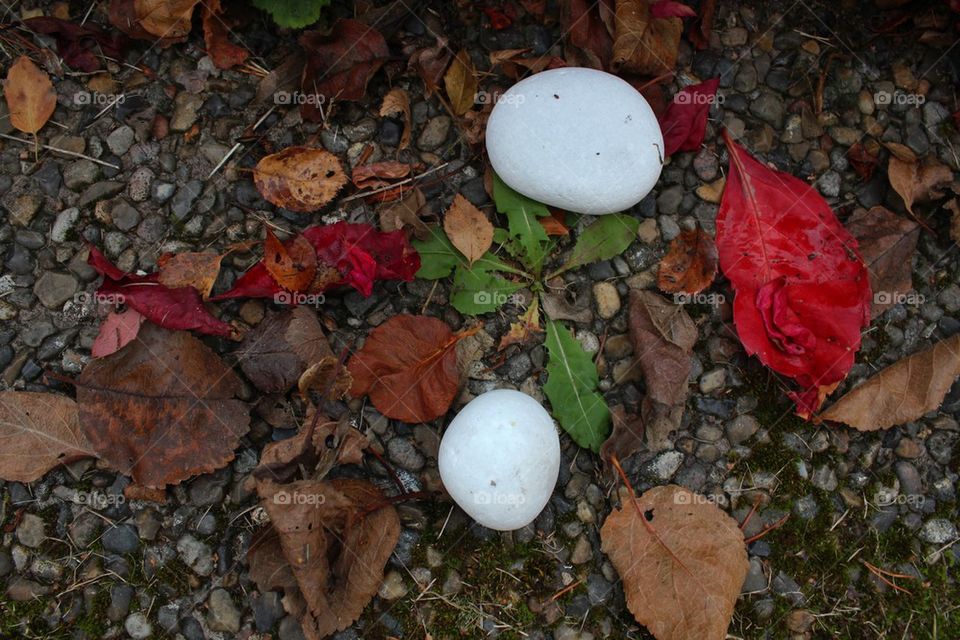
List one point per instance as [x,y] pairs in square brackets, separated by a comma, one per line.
[608,236]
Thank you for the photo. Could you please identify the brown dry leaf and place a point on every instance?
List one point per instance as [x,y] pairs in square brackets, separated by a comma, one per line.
[397,101]
[216,36]
[190,269]
[557,307]
[713,191]
[901,151]
[643,44]
[408,367]
[281,348]
[405,213]
[165,18]
[299,178]
[292,265]
[116,330]
[690,265]
[523,331]
[625,439]
[461,83]
[954,207]
[663,336]
[327,377]
[430,63]
[336,537]
[38,432]
[863,158]
[887,244]
[902,392]
[589,33]
[915,182]
[163,408]
[30,97]
[378,174]
[468,229]
[682,581]
[556,223]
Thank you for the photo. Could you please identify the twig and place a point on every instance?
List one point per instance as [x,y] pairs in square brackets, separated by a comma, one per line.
[567,589]
[63,151]
[880,573]
[364,194]
[776,525]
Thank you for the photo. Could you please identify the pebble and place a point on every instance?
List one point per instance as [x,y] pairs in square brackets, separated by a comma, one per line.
[392,587]
[139,184]
[195,554]
[23,208]
[222,613]
[713,381]
[121,539]
[120,140]
[664,466]
[120,596]
[434,133]
[824,478]
[31,532]
[768,106]
[54,288]
[607,298]
[63,226]
[185,111]
[80,173]
[183,200]
[582,551]
[137,626]
[938,531]
[404,453]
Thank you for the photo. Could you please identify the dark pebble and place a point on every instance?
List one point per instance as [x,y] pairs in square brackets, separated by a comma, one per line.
[121,539]
[390,132]
[6,356]
[721,408]
[31,370]
[215,106]
[120,596]
[267,609]
[191,629]
[48,178]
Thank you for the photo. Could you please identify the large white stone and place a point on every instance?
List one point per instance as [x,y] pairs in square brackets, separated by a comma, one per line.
[579,139]
[499,459]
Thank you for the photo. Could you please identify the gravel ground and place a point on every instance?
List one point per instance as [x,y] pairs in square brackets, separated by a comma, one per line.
[76,567]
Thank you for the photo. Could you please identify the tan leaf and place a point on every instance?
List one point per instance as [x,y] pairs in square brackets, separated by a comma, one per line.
[690,265]
[397,101]
[30,97]
[902,392]
[901,151]
[405,213]
[713,191]
[165,18]
[292,265]
[327,377]
[644,44]
[468,229]
[190,269]
[917,182]
[38,431]
[299,178]
[887,243]
[682,581]
[461,83]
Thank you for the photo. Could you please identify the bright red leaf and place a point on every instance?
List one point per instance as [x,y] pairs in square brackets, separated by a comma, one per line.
[802,289]
[685,123]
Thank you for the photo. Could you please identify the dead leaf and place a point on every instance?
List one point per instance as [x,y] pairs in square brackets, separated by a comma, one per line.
[216,35]
[644,44]
[397,101]
[526,329]
[682,562]
[588,26]
[116,331]
[190,269]
[663,336]
[408,367]
[954,207]
[887,244]
[430,63]
[378,174]
[461,83]
[281,348]
[468,229]
[690,265]
[556,223]
[903,392]
[901,151]
[405,213]
[328,377]
[557,307]
[299,178]
[39,431]
[165,21]
[30,97]
[293,265]
[162,409]
[625,439]
[917,182]
[713,191]
[863,158]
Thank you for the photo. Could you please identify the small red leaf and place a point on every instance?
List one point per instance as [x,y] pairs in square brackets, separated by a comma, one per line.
[684,125]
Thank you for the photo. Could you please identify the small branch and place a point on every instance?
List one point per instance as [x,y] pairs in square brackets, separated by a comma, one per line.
[776,525]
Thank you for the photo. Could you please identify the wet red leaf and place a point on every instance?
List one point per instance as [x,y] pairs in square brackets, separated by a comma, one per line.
[862,161]
[700,29]
[671,9]
[80,45]
[684,124]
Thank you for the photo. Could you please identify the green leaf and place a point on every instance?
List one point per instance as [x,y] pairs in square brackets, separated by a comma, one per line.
[522,224]
[609,236]
[480,290]
[294,14]
[572,389]
[438,256]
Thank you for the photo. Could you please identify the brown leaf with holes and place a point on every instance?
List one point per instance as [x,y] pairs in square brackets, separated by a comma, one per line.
[336,537]
[903,392]
[163,408]
[39,431]
[397,101]
[526,329]
[408,368]
[190,269]
[690,265]
[281,348]
[299,178]
[327,377]
[887,243]
[293,265]
[30,97]
[461,83]
[405,213]
[430,63]
[682,562]
[468,229]
[663,336]
[643,44]
[916,182]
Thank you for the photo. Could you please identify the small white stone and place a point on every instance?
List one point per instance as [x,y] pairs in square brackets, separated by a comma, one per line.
[580,139]
[499,459]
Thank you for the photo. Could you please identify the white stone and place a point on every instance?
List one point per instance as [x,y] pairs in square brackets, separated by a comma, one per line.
[579,139]
[499,459]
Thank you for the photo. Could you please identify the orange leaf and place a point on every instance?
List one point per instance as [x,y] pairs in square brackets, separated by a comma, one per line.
[556,223]
[690,265]
[461,83]
[224,53]
[377,174]
[197,270]
[398,101]
[30,96]
[299,178]
[292,265]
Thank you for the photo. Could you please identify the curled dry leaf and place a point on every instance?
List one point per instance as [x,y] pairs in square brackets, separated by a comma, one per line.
[116,330]
[690,265]
[682,561]
[863,158]
[30,97]
[523,331]
[281,348]
[468,229]
[408,367]
[887,244]
[461,83]
[626,438]
[430,63]
[38,431]
[663,336]
[903,392]
[165,21]
[916,182]
[405,213]
[292,265]
[162,409]
[644,44]
[397,101]
[378,174]
[328,378]
[190,269]
[299,178]
[701,28]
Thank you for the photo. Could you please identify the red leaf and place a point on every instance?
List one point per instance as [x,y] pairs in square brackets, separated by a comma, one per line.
[216,32]
[685,122]
[802,290]
[587,32]
[339,64]
[181,308]
[671,9]
[862,161]
[700,29]
[80,45]
[498,19]
[359,253]
[116,331]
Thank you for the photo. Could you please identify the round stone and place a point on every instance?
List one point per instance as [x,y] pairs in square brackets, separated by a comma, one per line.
[579,139]
[499,459]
